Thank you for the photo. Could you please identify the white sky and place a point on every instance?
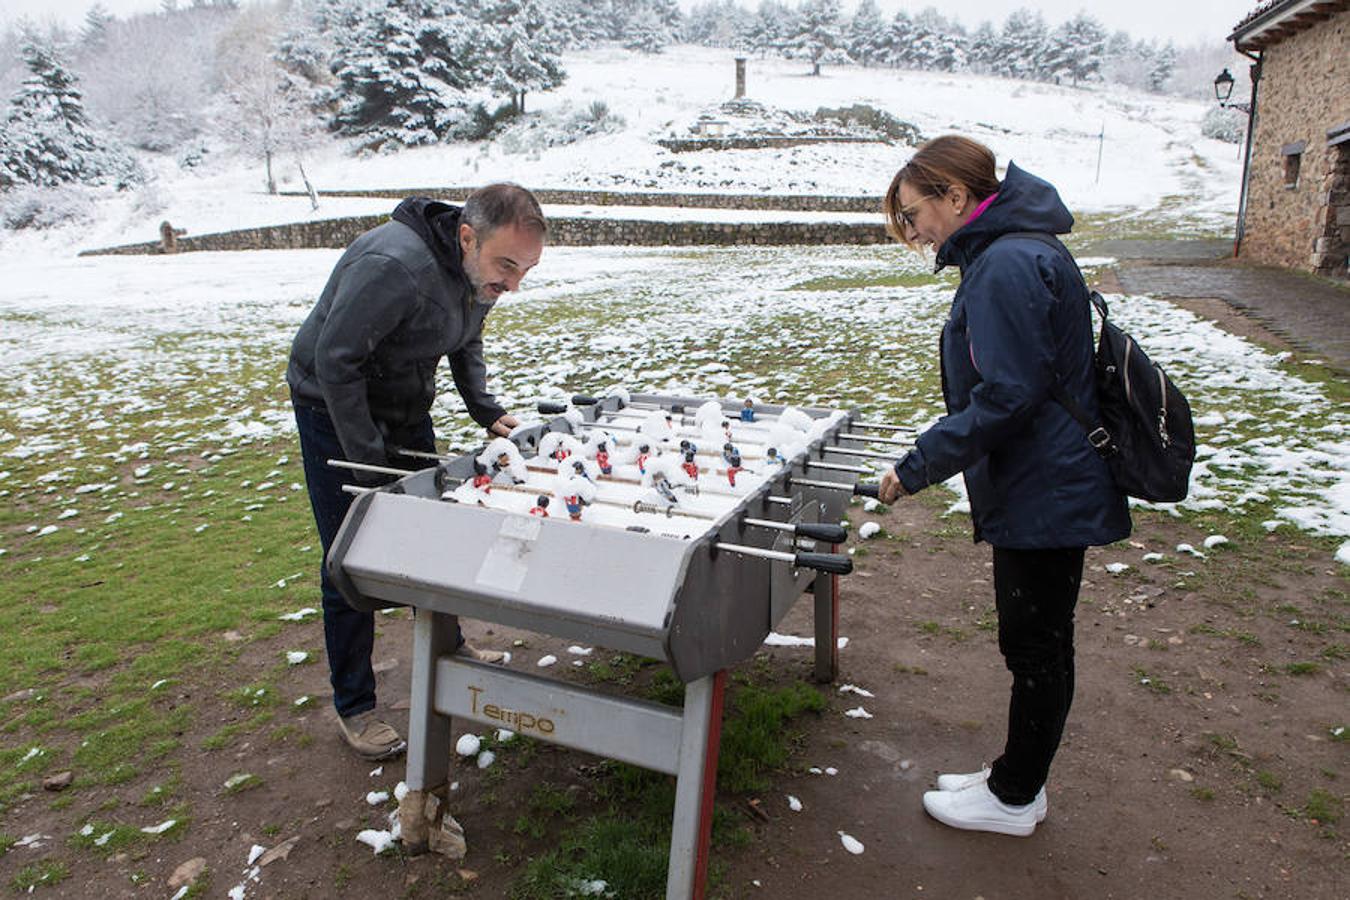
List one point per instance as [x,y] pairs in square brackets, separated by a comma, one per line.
[1184,21]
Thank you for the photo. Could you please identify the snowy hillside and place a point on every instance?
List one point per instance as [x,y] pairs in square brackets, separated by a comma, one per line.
[1152,150]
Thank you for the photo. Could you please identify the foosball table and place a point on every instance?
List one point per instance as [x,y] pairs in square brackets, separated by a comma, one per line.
[676,528]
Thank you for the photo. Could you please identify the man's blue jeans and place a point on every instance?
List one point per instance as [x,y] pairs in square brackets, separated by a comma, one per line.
[349,635]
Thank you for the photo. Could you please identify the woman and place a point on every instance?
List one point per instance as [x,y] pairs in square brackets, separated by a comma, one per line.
[1039,493]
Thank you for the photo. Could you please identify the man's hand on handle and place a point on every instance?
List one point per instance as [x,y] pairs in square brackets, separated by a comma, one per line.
[502,427]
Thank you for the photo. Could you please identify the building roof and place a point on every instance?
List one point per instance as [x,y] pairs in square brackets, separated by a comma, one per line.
[1275,20]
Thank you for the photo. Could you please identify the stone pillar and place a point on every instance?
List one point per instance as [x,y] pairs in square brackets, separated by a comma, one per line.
[740,77]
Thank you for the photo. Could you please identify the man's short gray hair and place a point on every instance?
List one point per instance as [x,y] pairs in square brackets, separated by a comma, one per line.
[491,207]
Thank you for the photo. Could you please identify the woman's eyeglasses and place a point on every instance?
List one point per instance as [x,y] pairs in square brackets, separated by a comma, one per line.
[906,213]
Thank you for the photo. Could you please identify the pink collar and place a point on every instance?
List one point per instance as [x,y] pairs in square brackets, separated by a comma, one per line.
[984,204]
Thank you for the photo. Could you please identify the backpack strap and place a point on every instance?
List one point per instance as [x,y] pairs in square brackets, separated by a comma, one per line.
[1097,435]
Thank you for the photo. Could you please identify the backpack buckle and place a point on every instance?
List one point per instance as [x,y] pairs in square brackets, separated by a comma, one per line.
[1100,439]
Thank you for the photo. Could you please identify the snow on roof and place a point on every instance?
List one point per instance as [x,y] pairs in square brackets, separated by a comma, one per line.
[1274,20]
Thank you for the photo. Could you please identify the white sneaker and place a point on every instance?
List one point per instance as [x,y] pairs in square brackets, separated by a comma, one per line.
[970,779]
[975,808]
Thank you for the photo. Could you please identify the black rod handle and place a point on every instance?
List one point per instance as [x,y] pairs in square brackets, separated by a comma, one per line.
[584,400]
[867,490]
[833,563]
[822,531]
[551,408]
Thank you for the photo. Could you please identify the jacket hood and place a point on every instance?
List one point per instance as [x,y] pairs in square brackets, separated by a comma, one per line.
[1024,203]
[437,224]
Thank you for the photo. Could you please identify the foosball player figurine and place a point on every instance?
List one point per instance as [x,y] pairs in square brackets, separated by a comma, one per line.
[726,428]
[662,486]
[580,469]
[687,446]
[574,504]
[690,465]
[540,507]
[733,467]
[644,451]
[602,458]
[748,411]
[502,464]
[482,481]
[772,457]
[728,451]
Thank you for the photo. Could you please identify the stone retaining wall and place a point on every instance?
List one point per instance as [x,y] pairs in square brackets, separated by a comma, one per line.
[563,232]
[790,202]
[691,145]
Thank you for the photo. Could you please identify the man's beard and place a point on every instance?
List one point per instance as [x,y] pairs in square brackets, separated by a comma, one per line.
[481,294]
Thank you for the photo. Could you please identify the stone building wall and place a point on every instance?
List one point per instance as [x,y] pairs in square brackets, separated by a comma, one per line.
[563,232]
[1303,93]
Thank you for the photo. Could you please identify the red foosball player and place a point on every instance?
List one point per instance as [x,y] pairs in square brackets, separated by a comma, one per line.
[602,459]
[733,467]
[574,505]
[726,428]
[689,465]
[644,451]
[540,507]
[561,453]
[481,479]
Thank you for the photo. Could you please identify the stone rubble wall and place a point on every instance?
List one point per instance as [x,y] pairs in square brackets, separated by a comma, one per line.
[687,200]
[563,232]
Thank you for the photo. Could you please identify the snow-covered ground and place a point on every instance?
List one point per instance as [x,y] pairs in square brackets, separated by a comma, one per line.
[1152,148]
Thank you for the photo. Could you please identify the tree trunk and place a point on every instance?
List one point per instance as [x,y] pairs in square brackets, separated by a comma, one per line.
[522,103]
[309,188]
[815,67]
[271,182]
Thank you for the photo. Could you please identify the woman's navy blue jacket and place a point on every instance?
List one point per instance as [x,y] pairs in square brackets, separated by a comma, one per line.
[1020,318]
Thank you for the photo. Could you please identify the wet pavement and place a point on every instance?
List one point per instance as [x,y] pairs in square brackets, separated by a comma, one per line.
[1312,314]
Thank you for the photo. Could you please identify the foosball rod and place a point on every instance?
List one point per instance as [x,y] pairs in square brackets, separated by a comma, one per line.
[712,489]
[833,563]
[872,439]
[626,429]
[867,454]
[637,506]
[583,400]
[861,489]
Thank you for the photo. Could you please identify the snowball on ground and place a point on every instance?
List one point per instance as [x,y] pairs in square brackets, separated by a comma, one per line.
[851,844]
[468,745]
[869,530]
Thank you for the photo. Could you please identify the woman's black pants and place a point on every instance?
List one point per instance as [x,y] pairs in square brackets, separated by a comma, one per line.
[1035,592]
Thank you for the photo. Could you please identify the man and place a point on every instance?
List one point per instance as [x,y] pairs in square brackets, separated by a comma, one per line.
[362,379]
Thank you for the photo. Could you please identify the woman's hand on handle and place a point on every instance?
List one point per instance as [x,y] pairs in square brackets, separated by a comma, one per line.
[891,488]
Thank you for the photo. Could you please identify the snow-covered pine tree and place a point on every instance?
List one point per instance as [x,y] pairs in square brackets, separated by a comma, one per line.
[1164,61]
[982,48]
[819,36]
[895,46]
[524,51]
[1077,49]
[866,32]
[645,33]
[400,72]
[770,27]
[717,23]
[94,33]
[50,140]
[1023,45]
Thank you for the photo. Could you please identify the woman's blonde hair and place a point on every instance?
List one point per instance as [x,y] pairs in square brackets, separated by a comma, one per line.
[939,164]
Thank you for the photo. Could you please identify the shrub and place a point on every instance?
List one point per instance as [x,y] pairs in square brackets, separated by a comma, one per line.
[44,207]
[1224,124]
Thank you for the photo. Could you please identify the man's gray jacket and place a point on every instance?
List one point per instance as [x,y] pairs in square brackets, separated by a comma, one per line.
[397,302]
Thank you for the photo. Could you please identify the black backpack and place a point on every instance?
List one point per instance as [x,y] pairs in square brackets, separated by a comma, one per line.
[1144,430]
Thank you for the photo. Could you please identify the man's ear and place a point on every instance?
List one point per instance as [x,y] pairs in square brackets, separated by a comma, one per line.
[467,238]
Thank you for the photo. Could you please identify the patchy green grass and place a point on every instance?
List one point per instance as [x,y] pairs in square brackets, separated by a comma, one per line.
[43,874]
